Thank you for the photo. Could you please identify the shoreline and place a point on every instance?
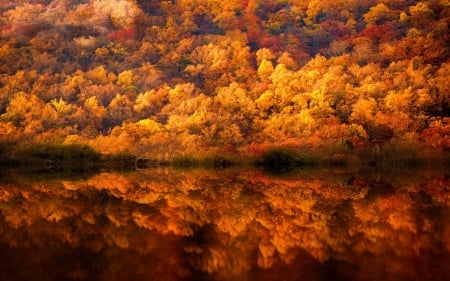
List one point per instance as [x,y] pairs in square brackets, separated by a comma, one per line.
[275,161]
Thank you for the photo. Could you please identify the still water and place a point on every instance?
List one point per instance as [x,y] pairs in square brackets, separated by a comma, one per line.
[243,224]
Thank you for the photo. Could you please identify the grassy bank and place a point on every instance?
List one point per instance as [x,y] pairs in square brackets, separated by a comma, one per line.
[284,159]
[212,161]
[44,154]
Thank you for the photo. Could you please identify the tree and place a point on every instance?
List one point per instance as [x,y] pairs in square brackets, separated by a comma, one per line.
[95,112]
[379,14]
[265,69]
[121,13]
[120,109]
[421,14]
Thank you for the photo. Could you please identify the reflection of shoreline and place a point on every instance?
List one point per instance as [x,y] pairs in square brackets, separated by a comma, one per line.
[236,220]
[331,175]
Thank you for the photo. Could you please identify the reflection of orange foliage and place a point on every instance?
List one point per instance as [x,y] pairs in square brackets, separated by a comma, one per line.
[4,195]
[237,213]
[111,182]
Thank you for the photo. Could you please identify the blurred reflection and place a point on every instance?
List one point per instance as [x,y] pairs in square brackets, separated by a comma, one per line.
[228,225]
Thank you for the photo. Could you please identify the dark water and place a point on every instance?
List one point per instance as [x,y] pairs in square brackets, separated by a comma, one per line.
[226,225]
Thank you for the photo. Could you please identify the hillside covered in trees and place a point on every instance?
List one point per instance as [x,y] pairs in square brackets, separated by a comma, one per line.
[237,77]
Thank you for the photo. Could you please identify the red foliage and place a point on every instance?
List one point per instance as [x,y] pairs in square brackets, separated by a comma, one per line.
[253,36]
[258,40]
[122,35]
[271,42]
[438,137]
[379,33]
[336,28]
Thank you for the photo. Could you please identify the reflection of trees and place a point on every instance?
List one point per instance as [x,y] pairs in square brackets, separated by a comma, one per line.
[226,223]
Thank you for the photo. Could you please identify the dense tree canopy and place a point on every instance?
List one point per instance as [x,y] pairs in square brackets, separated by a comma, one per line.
[202,76]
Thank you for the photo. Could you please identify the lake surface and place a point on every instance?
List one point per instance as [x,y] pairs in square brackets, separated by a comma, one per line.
[243,224]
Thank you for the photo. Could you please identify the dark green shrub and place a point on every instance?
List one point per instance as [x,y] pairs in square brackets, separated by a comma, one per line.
[63,152]
[283,159]
[121,161]
[184,161]
[218,161]
[120,157]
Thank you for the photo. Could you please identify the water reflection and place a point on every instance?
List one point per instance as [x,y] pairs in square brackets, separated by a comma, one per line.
[229,225]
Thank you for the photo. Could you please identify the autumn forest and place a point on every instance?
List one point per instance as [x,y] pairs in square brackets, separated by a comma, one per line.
[237,77]
[224,140]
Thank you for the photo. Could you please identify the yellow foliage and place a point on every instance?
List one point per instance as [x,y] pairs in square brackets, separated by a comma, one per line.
[102,52]
[126,78]
[143,101]
[399,101]
[86,42]
[99,75]
[181,92]
[265,69]
[150,125]
[364,109]
[377,13]
[305,117]
[76,80]
[265,101]
[92,105]
[282,77]
[264,54]
[73,139]
[61,107]
[231,134]
[420,10]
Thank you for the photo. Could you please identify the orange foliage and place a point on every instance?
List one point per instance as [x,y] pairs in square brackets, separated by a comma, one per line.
[379,66]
